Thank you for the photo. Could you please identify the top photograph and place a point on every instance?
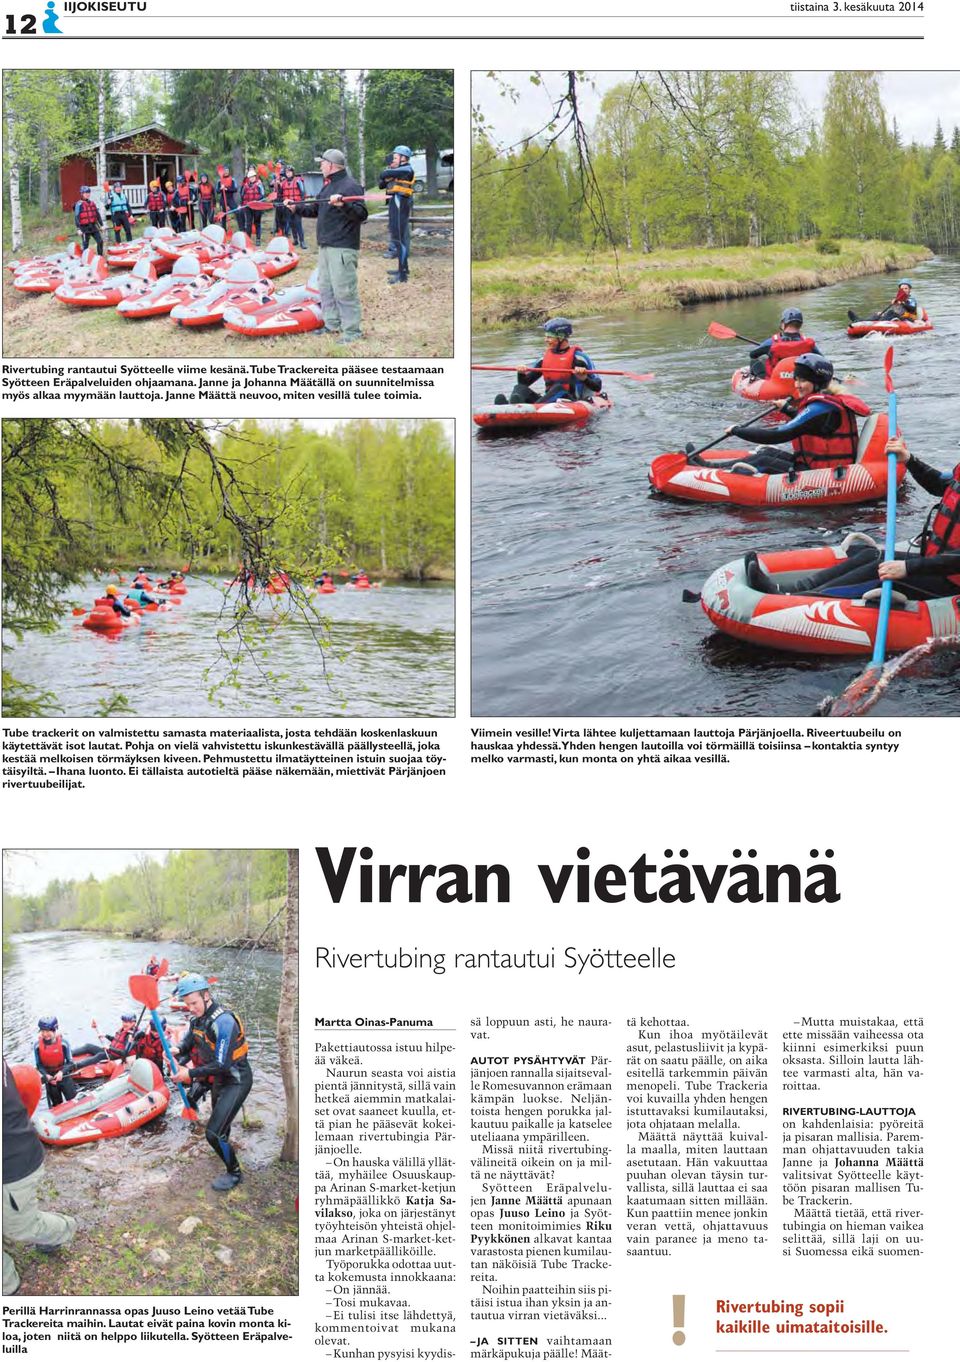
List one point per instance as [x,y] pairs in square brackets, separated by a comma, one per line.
[235,214]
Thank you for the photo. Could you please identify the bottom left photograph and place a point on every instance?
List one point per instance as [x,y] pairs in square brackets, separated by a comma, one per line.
[150,1088]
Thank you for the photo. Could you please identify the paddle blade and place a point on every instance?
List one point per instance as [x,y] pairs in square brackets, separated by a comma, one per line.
[849,703]
[189,1114]
[79,610]
[145,989]
[721,332]
[888,369]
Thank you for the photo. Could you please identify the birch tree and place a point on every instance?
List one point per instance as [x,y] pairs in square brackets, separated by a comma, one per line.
[287,1011]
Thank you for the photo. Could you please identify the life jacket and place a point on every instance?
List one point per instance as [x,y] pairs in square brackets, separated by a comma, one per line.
[783,347]
[828,451]
[156,202]
[557,366]
[118,1041]
[148,969]
[251,192]
[205,190]
[118,203]
[181,200]
[51,1053]
[205,1038]
[404,187]
[87,213]
[291,191]
[941,534]
[149,1047]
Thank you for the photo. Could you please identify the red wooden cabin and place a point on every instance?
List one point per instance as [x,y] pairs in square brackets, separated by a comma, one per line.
[135,158]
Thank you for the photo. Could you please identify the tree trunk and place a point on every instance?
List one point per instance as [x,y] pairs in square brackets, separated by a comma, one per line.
[432,151]
[342,96]
[101,130]
[625,189]
[287,1011]
[43,149]
[754,227]
[238,167]
[645,228]
[361,171]
[13,167]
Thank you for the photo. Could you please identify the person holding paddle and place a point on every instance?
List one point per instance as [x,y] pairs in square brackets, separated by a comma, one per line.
[789,340]
[251,192]
[217,1036]
[567,371]
[821,426]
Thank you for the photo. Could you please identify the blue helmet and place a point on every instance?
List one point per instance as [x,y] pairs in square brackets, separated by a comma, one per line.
[47,1024]
[816,369]
[558,326]
[128,1016]
[403,151]
[191,983]
[905,283]
[791,316]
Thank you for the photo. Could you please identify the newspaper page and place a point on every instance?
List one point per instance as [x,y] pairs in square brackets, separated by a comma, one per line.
[477,703]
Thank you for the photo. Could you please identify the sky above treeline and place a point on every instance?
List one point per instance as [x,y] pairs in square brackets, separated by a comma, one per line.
[915,98]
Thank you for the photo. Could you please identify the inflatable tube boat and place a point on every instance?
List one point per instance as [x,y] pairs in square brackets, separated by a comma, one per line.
[42,262]
[893,328]
[183,285]
[539,415]
[111,290]
[289,311]
[829,626]
[210,243]
[103,619]
[780,383]
[122,1104]
[241,290]
[275,259]
[863,480]
[86,268]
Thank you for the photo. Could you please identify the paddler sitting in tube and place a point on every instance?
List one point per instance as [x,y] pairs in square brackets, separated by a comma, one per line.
[789,340]
[821,426]
[152,966]
[113,596]
[119,1045]
[53,1058]
[137,593]
[564,368]
[141,579]
[929,568]
[902,307]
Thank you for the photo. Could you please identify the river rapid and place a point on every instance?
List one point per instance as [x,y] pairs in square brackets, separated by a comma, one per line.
[578,571]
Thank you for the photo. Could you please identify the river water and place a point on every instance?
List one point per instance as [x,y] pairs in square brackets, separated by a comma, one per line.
[79,977]
[390,653]
[578,571]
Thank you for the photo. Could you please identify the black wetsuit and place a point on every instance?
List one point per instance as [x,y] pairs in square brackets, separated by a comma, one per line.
[218,1039]
[815,419]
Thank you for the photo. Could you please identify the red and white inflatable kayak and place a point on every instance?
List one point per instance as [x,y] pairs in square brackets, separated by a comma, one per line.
[86,268]
[121,1105]
[42,262]
[103,619]
[864,480]
[900,327]
[289,311]
[111,290]
[533,415]
[241,290]
[780,383]
[276,258]
[208,244]
[825,625]
[185,283]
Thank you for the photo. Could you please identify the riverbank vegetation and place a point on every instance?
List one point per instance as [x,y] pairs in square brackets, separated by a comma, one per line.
[198,897]
[684,161]
[83,497]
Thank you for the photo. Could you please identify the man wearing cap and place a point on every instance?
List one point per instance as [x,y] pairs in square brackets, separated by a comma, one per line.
[341,213]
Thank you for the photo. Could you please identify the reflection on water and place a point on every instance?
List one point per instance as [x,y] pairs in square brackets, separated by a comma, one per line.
[388,652]
[578,571]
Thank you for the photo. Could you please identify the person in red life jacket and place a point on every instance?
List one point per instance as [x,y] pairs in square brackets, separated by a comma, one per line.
[206,200]
[290,189]
[821,426]
[120,1043]
[180,204]
[251,192]
[564,368]
[280,213]
[930,567]
[789,340]
[156,205]
[54,1059]
[225,192]
[23,1220]
[146,1044]
[86,215]
[221,1044]
[901,307]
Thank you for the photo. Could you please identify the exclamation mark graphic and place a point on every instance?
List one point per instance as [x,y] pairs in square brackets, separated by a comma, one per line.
[679,1336]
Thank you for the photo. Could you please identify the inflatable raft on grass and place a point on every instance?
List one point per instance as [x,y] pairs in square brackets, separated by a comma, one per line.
[864,480]
[110,291]
[241,291]
[289,311]
[86,268]
[829,626]
[124,1103]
